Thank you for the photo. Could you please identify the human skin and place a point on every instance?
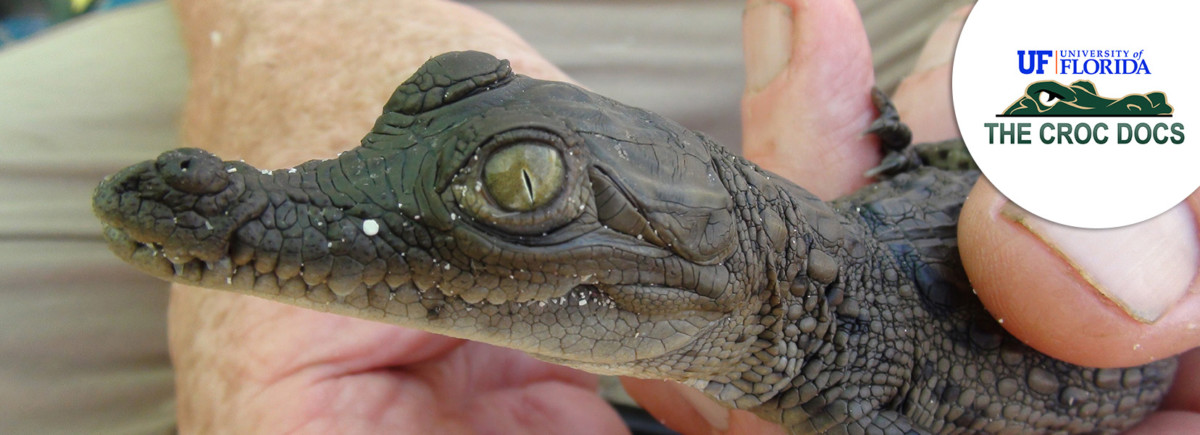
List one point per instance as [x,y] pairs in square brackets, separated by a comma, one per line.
[276,84]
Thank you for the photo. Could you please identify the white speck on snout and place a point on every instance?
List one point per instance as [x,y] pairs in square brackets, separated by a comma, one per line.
[370,227]
[231,170]
[214,38]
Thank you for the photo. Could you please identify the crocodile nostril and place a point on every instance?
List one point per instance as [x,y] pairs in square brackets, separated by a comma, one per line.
[192,170]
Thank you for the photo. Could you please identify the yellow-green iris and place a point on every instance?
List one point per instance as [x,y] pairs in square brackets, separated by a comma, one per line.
[524,177]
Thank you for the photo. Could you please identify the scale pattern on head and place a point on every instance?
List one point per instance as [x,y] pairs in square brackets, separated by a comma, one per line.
[482,204]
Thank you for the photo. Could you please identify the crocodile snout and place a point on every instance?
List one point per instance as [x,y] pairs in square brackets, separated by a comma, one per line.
[192,170]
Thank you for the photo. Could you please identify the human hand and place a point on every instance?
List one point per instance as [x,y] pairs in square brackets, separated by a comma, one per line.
[262,74]
[246,365]
[806,105]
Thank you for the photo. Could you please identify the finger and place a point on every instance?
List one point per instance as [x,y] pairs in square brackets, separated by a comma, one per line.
[1167,422]
[1050,304]
[807,99]
[1116,297]
[689,411]
[545,408]
[1185,392]
[274,340]
[676,408]
[228,349]
[501,390]
[923,97]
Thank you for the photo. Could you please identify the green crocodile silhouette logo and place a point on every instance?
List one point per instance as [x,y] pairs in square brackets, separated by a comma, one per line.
[1051,98]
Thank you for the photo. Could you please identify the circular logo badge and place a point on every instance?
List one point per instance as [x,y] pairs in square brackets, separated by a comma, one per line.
[1082,112]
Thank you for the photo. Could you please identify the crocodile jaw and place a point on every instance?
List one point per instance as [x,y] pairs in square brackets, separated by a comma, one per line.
[611,327]
[528,324]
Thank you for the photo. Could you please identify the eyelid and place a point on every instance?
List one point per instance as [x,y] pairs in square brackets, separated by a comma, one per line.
[474,198]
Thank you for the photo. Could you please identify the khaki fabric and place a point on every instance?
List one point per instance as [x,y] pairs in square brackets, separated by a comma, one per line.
[82,337]
[681,59]
[897,30]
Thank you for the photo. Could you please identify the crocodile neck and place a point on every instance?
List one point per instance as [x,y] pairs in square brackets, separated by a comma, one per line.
[813,309]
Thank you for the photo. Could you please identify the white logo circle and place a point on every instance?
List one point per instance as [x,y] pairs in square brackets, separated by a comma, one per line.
[1082,112]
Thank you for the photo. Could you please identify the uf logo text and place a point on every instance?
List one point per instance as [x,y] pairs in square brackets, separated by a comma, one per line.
[1034,61]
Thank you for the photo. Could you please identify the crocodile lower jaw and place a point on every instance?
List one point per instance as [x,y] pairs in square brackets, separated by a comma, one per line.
[240,275]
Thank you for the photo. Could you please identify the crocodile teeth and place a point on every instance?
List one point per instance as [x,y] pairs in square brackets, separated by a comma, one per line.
[176,256]
[222,267]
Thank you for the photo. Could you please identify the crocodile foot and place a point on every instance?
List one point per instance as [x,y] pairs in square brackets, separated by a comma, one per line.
[895,137]
[901,155]
[892,133]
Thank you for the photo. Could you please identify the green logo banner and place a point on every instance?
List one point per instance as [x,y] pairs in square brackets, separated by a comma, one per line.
[1051,98]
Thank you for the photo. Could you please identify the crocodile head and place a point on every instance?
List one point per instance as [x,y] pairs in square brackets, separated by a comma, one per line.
[484,205]
[170,215]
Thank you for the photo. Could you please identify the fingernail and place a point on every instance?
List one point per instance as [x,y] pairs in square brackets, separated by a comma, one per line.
[1144,268]
[767,43]
[716,415]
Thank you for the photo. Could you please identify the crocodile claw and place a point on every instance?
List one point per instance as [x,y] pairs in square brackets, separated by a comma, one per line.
[893,134]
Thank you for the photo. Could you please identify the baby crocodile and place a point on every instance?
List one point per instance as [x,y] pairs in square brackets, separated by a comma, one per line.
[542,217]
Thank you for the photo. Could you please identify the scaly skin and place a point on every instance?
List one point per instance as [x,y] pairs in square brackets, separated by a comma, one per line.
[539,216]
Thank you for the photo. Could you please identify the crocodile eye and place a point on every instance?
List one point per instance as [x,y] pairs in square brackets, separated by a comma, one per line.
[524,177]
[1048,98]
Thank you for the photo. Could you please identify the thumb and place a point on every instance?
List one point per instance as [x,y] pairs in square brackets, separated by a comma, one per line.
[1074,294]
[1093,297]
[1114,297]
[808,99]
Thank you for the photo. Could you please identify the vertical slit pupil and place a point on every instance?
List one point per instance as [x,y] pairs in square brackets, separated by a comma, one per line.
[524,177]
[528,185]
